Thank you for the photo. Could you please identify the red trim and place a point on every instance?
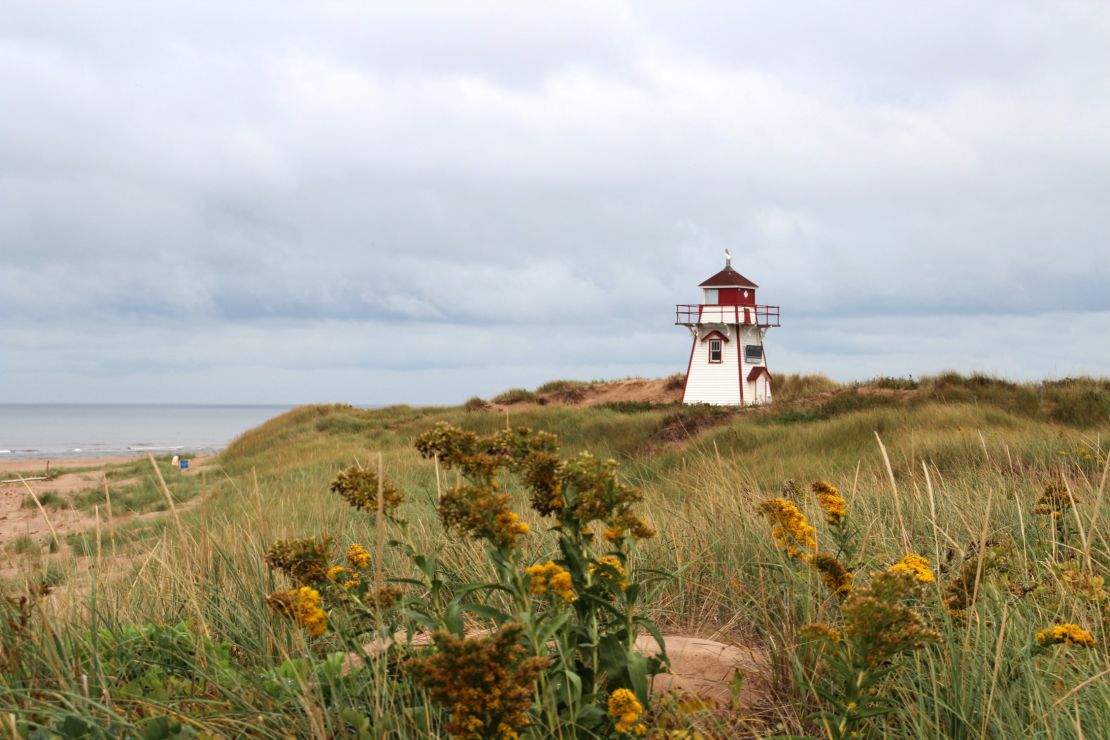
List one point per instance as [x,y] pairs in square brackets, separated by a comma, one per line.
[710,348]
[688,314]
[728,278]
[757,371]
[740,369]
[715,335]
[689,364]
[770,378]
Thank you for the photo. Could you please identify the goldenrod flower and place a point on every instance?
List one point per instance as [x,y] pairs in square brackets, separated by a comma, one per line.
[617,573]
[482,512]
[359,488]
[1070,634]
[1053,502]
[916,566]
[625,711]
[789,529]
[486,683]
[358,556]
[305,560]
[613,533]
[833,573]
[510,523]
[637,528]
[875,617]
[302,605]
[821,630]
[551,578]
[830,500]
[343,575]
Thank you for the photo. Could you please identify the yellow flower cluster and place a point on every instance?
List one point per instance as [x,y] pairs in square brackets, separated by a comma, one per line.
[343,575]
[487,683]
[617,574]
[789,529]
[551,578]
[1070,634]
[916,566]
[308,612]
[482,512]
[626,711]
[358,556]
[830,500]
[833,573]
[302,605]
[821,630]
[1055,501]
[359,488]
[510,525]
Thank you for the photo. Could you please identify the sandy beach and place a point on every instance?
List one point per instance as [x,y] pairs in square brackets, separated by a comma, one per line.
[39,466]
[17,519]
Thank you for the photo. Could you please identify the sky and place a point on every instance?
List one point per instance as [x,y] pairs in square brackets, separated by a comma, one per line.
[269,202]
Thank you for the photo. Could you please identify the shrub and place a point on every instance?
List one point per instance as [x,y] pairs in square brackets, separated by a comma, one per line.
[674,382]
[575,615]
[514,396]
[475,403]
[553,386]
[897,384]
[1081,408]
[798,387]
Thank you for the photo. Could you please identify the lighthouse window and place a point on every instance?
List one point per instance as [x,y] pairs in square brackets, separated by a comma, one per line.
[753,353]
[714,350]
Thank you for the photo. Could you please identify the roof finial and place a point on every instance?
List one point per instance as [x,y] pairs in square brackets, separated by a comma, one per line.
[728,260]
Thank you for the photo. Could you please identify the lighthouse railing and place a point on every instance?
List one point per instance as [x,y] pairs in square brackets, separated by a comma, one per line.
[703,313]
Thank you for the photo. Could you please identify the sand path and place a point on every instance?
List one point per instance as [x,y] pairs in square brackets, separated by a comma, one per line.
[17,520]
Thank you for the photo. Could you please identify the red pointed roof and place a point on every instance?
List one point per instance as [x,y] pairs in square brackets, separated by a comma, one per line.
[728,278]
[757,371]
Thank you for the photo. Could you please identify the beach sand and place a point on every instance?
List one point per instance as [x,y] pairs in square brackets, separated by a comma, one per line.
[17,519]
[38,467]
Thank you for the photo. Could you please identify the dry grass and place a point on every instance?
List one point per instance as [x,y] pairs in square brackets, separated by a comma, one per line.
[967,460]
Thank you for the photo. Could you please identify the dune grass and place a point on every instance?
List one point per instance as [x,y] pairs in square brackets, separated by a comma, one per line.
[173,635]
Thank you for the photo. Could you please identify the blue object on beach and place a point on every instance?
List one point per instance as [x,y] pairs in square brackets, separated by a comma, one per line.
[184,464]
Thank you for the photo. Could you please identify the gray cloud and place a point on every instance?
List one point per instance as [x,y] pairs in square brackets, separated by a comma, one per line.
[325,199]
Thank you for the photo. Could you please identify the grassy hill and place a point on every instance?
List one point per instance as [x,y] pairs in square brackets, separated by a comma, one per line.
[173,634]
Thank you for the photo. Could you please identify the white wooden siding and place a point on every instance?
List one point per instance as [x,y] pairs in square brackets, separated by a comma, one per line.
[714,383]
[719,383]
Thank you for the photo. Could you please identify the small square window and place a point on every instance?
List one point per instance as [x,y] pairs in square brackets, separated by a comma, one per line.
[753,353]
[715,350]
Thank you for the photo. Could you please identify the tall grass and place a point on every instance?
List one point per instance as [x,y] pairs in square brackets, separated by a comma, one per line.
[174,635]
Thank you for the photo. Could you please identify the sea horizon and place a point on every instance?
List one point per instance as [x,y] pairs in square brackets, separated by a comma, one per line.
[55,430]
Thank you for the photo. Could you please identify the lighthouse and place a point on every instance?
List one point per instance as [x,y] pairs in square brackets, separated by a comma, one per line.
[728,364]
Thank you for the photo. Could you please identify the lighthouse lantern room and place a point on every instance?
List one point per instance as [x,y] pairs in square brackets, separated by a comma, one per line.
[728,365]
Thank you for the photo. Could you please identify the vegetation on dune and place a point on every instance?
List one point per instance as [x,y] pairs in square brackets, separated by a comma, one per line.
[943,576]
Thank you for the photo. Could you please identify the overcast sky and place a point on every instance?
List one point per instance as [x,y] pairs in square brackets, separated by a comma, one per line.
[271,202]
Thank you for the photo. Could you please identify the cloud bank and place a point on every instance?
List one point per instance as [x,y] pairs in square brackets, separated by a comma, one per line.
[281,203]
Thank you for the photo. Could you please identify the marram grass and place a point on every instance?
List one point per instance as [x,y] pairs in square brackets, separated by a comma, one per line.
[1003,632]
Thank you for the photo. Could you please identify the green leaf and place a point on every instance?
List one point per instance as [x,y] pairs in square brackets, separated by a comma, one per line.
[552,626]
[651,627]
[421,619]
[638,676]
[487,611]
[453,616]
[589,715]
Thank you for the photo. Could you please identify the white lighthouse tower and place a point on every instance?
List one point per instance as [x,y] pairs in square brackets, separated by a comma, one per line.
[728,366]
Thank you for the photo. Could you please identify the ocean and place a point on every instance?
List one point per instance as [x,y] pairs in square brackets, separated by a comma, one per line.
[42,431]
